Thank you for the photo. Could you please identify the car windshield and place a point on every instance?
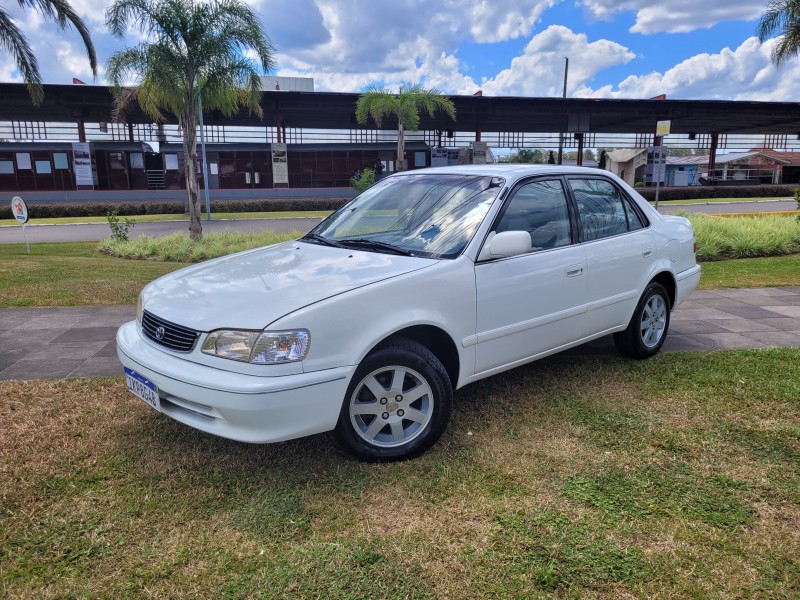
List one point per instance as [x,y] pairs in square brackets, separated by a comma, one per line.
[428,215]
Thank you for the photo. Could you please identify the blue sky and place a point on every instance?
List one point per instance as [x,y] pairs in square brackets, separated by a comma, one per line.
[618,48]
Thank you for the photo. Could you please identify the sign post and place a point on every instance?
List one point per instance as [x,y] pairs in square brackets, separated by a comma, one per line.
[20,210]
[662,130]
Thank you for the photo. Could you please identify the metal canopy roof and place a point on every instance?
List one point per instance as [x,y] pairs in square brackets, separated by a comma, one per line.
[324,110]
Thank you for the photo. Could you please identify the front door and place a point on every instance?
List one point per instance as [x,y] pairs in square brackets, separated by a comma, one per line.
[531,304]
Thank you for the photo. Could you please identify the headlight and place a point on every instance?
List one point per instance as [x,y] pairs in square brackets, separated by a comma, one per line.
[257,347]
[139,309]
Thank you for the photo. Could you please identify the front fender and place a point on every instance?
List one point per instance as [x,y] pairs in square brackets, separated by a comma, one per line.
[346,327]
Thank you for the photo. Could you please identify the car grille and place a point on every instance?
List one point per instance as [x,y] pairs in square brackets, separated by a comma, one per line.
[168,334]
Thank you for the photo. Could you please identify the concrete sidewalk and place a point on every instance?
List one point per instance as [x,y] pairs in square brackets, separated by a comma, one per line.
[52,343]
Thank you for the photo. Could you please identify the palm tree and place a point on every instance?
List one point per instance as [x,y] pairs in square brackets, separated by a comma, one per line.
[405,106]
[13,41]
[191,50]
[783,17]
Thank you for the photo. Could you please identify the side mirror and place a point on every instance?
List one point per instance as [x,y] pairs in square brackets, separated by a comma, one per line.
[505,244]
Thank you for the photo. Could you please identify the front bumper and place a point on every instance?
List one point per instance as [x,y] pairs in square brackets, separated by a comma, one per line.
[241,407]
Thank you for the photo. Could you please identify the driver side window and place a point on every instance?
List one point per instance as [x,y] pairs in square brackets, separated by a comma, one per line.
[540,208]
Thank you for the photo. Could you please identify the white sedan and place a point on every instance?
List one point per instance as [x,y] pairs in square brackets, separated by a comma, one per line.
[428,281]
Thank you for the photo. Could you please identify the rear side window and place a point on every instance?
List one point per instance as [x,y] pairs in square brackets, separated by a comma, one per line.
[540,208]
[602,210]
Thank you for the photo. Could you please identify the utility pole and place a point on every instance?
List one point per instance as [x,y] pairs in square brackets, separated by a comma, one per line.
[203,146]
[564,95]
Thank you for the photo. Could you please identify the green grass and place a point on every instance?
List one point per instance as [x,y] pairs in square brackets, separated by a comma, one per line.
[178,247]
[777,271]
[574,477]
[71,274]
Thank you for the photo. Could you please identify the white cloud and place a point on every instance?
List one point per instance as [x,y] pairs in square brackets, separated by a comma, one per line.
[539,70]
[745,73]
[345,46]
[395,37]
[675,16]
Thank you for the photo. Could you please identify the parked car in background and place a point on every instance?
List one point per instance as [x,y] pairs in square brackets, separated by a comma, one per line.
[426,282]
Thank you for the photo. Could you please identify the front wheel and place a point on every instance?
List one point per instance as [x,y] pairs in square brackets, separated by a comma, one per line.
[397,405]
[649,325]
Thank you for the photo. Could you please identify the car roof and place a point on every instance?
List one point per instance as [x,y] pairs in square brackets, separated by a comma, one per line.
[513,170]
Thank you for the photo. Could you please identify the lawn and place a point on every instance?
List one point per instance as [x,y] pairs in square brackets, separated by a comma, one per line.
[71,274]
[576,476]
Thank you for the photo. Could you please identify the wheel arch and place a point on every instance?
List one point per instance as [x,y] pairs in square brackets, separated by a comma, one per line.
[667,279]
[434,339]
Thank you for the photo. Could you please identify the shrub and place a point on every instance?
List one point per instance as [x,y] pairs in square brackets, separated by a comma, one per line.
[174,207]
[365,180]
[120,230]
[721,238]
[178,247]
[722,191]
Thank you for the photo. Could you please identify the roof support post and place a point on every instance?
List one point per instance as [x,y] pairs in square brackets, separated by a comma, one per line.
[81,129]
[580,149]
[712,157]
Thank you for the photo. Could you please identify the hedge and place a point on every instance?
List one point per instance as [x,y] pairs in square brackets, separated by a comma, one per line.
[174,207]
[727,191]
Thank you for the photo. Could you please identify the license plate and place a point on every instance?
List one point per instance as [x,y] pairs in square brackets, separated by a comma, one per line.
[142,388]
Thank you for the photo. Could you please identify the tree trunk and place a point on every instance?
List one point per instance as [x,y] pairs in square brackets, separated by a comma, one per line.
[401,147]
[189,131]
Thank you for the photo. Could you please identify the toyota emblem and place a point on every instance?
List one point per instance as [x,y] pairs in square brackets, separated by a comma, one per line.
[160,331]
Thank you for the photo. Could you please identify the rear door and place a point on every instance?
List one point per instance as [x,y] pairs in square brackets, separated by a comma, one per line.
[620,251]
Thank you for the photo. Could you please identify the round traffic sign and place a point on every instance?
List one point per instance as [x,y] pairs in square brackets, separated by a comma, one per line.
[20,209]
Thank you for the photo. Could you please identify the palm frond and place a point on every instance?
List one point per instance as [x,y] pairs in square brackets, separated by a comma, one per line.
[14,42]
[781,17]
[63,14]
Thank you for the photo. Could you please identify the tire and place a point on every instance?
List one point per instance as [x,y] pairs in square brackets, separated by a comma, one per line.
[649,325]
[385,417]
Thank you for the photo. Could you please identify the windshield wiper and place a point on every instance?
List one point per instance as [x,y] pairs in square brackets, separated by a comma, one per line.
[376,245]
[315,237]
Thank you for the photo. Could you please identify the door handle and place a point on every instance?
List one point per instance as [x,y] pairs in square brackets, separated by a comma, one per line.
[647,252]
[574,270]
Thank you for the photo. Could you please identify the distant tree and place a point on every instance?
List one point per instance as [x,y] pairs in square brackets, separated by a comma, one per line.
[405,106]
[588,154]
[601,163]
[781,17]
[525,155]
[13,41]
[551,160]
[191,49]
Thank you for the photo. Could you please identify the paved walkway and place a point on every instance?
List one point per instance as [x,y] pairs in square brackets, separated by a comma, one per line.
[52,343]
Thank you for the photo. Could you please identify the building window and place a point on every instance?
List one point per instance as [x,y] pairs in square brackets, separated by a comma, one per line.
[171,162]
[43,167]
[23,160]
[60,160]
[137,160]
[6,167]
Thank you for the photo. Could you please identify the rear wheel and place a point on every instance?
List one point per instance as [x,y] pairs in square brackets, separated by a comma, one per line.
[397,405]
[649,325]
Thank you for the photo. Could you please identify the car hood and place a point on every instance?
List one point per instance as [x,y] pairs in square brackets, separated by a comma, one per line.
[251,289]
